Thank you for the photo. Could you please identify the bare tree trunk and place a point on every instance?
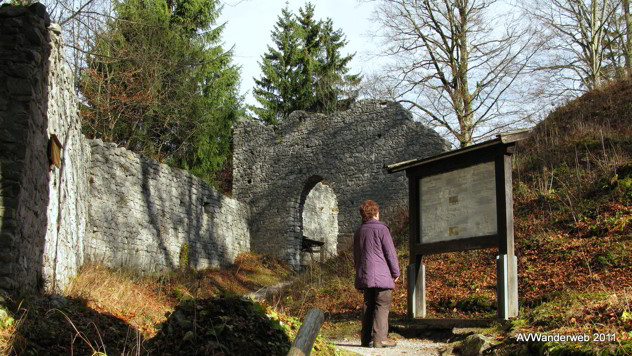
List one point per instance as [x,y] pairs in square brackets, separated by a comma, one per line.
[442,48]
[628,35]
[464,90]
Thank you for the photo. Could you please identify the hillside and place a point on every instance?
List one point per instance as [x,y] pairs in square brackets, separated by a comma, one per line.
[573,233]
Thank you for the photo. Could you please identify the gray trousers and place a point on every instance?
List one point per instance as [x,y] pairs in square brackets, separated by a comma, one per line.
[377,302]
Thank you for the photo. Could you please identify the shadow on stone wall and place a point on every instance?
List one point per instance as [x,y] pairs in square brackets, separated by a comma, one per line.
[151,200]
[274,166]
[24,177]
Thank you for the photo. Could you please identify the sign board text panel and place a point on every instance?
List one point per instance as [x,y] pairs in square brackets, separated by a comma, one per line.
[458,204]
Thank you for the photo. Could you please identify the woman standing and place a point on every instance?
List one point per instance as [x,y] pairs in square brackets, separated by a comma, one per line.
[377,270]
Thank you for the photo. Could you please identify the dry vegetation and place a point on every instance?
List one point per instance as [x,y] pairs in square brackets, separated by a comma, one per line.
[121,312]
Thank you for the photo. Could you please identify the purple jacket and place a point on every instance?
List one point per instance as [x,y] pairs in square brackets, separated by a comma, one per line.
[374,256]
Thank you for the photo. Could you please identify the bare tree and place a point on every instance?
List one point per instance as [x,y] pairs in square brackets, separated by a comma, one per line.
[81,21]
[626,31]
[577,37]
[455,62]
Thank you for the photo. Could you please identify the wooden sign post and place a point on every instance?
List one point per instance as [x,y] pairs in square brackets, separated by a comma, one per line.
[462,200]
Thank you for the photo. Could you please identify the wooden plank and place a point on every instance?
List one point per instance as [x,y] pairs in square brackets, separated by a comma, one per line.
[504,204]
[454,163]
[470,243]
[302,345]
[420,289]
[442,323]
[411,277]
[413,214]
[506,139]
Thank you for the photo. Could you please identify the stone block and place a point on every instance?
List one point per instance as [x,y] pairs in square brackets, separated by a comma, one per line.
[40,10]
[8,283]
[19,86]
[7,240]
[9,186]
[8,11]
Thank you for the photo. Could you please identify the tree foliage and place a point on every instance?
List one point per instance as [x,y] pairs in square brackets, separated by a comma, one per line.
[159,82]
[305,69]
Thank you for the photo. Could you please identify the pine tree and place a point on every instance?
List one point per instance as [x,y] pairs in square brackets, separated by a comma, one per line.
[334,88]
[159,82]
[277,90]
[306,70]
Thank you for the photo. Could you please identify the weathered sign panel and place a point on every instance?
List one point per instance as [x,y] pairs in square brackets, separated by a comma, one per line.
[462,200]
[458,204]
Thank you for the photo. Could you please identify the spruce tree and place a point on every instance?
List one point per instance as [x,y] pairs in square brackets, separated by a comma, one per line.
[277,90]
[334,88]
[306,70]
[159,82]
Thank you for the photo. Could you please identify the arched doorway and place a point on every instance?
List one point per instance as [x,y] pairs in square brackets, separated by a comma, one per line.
[319,218]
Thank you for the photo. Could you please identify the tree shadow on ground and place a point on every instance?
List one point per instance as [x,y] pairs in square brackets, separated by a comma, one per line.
[56,325]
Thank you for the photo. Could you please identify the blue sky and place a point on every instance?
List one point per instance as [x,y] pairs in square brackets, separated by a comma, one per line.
[249,24]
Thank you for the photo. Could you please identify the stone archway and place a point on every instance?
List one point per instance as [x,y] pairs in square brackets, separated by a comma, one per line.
[318,215]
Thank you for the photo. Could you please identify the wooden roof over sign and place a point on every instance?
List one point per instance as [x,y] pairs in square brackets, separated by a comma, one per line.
[504,138]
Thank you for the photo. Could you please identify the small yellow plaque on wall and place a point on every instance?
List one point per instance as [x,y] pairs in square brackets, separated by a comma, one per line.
[54,150]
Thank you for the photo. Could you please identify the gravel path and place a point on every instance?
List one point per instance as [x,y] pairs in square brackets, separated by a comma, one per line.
[404,347]
[263,292]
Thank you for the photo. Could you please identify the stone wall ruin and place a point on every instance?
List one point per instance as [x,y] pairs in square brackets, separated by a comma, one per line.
[276,167]
[103,203]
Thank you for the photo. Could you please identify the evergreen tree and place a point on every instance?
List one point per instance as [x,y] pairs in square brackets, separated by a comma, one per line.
[277,90]
[159,82]
[306,70]
[334,89]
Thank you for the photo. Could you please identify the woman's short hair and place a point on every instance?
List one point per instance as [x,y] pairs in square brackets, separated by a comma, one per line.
[369,209]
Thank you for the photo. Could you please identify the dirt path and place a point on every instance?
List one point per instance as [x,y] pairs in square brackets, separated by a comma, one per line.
[263,292]
[404,347]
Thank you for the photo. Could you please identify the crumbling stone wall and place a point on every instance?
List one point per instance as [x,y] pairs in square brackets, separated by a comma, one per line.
[68,190]
[145,214]
[275,168]
[35,101]
[103,203]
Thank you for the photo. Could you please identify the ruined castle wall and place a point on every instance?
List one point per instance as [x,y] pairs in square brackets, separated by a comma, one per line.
[149,216]
[275,167]
[42,208]
[103,203]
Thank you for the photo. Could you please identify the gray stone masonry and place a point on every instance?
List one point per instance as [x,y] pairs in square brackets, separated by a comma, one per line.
[142,214]
[109,205]
[24,178]
[103,203]
[69,193]
[275,168]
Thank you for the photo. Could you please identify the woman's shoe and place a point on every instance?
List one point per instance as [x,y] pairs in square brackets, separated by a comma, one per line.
[381,344]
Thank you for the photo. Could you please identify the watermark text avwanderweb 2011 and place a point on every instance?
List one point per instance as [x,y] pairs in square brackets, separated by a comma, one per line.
[540,337]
